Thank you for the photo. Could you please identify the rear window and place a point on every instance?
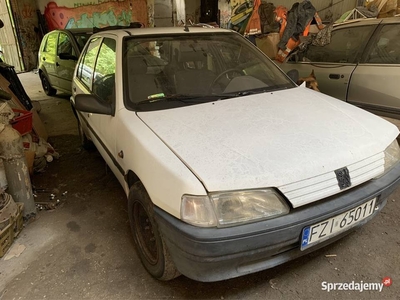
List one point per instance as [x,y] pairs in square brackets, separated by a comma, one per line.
[81,39]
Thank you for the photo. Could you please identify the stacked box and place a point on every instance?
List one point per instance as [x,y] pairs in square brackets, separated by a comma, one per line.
[11,231]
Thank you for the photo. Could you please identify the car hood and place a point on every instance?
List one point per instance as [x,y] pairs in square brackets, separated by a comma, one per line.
[269,139]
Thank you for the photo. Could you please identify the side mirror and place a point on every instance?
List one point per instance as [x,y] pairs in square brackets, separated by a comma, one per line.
[92,104]
[67,56]
[294,75]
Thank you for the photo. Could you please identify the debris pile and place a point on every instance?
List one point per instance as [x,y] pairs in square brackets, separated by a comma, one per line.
[11,222]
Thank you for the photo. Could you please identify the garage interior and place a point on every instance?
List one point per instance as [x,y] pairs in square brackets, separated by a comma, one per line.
[76,242]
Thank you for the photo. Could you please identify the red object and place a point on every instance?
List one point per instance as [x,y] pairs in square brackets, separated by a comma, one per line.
[22,121]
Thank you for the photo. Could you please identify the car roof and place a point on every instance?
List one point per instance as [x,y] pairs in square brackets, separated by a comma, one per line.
[367,21]
[164,31]
[79,30]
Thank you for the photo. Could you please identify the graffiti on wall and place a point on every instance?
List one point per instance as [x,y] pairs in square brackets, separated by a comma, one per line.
[95,14]
[241,13]
[140,11]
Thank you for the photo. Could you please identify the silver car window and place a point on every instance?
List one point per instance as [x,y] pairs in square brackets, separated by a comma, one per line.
[345,47]
[51,43]
[65,45]
[386,47]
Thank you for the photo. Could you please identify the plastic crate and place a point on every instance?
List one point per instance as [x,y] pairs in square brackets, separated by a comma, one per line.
[22,121]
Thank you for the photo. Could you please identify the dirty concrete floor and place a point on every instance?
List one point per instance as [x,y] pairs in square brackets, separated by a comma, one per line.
[84,250]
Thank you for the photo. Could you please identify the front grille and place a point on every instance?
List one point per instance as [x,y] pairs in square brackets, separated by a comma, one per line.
[322,186]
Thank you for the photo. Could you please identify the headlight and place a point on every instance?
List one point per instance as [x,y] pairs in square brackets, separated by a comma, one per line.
[232,208]
[392,155]
[197,210]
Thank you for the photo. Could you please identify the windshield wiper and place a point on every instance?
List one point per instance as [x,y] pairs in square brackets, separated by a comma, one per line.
[185,98]
[193,98]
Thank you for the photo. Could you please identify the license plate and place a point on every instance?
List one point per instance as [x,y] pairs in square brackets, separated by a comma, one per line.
[322,231]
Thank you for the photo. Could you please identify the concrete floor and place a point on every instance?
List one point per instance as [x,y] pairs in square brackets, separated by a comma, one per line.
[84,250]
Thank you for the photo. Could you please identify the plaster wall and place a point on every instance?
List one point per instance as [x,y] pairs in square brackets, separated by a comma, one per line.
[27,31]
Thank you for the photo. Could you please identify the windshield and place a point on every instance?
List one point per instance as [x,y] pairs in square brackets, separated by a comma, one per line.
[189,69]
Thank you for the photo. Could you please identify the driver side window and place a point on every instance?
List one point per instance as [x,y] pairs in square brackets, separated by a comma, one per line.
[104,73]
[65,45]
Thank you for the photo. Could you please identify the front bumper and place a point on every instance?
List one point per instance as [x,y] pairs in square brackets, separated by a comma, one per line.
[213,254]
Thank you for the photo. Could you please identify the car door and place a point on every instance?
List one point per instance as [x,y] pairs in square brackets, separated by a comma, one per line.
[105,126]
[48,58]
[95,74]
[374,82]
[334,63]
[65,61]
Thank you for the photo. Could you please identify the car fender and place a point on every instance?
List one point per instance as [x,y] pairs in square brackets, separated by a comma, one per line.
[165,177]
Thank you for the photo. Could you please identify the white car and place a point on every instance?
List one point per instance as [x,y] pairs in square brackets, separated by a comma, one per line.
[229,167]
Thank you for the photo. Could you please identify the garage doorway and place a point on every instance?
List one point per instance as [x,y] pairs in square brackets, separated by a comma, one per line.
[8,41]
[209,11]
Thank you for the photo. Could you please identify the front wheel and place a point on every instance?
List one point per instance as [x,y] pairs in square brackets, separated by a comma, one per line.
[149,244]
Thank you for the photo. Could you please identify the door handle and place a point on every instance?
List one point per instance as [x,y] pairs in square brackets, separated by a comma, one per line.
[334,76]
[57,64]
[74,88]
[44,58]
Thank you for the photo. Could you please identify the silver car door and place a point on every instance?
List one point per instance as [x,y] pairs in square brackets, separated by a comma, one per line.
[374,82]
[65,61]
[332,78]
[48,57]
[334,63]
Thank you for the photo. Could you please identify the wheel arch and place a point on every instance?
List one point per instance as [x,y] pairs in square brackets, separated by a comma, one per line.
[131,178]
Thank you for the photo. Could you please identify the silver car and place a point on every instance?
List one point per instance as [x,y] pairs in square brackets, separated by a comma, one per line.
[58,53]
[360,65]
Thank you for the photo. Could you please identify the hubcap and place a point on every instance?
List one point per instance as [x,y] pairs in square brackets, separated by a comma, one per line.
[145,234]
[45,84]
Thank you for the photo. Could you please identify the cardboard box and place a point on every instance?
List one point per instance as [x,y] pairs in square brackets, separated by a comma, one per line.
[269,44]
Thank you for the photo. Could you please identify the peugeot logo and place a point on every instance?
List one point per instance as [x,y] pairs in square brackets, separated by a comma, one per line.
[343,178]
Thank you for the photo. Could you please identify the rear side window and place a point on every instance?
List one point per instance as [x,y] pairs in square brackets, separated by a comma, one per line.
[51,43]
[386,47]
[346,46]
[85,70]
[65,45]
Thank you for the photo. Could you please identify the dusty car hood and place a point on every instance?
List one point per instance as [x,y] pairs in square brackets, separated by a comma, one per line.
[270,139]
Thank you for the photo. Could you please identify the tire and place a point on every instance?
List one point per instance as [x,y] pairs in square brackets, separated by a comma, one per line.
[85,142]
[150,246]
[48,89]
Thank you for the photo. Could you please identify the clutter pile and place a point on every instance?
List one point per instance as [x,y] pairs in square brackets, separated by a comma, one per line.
[11,221]
[278,31]
[23,150]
